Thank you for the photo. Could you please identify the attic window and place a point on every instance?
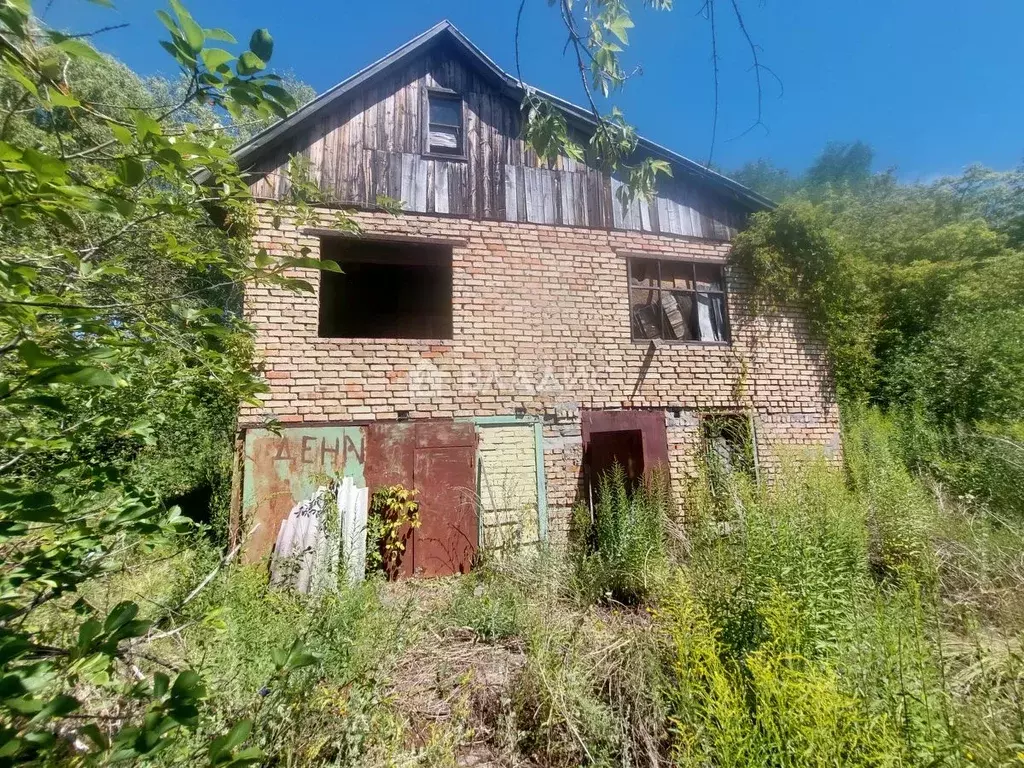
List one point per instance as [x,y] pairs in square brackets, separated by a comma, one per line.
[444,123]
[386,290]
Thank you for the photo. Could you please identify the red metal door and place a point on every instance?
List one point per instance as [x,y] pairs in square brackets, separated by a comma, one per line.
[445,475]
[438,459]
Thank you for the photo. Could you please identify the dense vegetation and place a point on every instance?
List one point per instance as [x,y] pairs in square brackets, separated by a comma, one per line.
[864,614]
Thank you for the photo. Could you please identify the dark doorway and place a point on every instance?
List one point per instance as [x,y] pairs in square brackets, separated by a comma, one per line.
[623,447]
[633,437]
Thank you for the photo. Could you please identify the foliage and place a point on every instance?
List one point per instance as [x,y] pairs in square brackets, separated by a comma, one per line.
[120,332]
[394,513]
[598,32]
[619,554]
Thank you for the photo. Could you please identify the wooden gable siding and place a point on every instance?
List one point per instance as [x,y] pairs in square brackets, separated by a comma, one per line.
[372,144]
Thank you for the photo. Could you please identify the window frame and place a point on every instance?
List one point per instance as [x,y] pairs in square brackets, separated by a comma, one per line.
[723,292]
[449,95]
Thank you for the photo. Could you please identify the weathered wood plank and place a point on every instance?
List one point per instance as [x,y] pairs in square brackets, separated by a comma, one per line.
[441,199]
[511,194]
[372,145]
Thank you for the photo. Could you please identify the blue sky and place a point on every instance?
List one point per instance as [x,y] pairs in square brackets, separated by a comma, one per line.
[932,85]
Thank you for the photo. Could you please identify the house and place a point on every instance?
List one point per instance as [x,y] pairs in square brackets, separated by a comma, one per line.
[515,330]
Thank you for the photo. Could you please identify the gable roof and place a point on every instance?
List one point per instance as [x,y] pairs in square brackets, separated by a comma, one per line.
[446,31]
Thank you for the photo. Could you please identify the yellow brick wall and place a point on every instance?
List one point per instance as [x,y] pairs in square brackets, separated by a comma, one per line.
[507,457]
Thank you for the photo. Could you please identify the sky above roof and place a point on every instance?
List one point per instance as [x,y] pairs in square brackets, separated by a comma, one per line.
[931,85]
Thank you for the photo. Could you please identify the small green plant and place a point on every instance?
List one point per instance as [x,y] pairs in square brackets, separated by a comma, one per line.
[394,513]
[491,606]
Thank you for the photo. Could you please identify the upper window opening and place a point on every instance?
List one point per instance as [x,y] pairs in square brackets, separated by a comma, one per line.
[387,290]
[444,126]
[677,301]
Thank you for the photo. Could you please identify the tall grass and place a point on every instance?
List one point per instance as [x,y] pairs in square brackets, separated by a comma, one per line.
[868,615]
[619,551]
[829,624]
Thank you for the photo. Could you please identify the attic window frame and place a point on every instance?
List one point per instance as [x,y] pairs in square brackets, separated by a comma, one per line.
[449,95]
[723,292]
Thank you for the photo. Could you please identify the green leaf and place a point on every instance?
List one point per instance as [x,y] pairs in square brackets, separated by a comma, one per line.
[60,705]
[121,133]
[619,25]
[281,94]
[194,35]
[19,74]
[81,375]
[188,684]
[214,58]
[221,746]
[161,683]
[249,63]
[92,732]
[74,47]
[59,99]
[130,171]
[33,356]
[279,657]
[146,126]
[262,44]
[46,166]
[220,34]
[247,756]
[8,153]
[167,21]
[121,614]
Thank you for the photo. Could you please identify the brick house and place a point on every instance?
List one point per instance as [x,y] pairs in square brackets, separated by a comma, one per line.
[515,330]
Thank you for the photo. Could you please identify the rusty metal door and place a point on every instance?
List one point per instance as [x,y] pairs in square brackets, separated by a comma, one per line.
[653,439]
[445,475]
[437,458]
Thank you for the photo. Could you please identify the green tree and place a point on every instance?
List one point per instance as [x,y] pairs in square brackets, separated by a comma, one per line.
[118,297]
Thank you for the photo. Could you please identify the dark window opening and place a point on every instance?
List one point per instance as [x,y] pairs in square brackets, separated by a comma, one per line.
[444,124]
[677,301]
[728,444]
[387,290]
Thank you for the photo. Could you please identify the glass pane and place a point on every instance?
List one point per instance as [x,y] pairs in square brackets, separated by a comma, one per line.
[709,277]
[645,306]
[711,316]
[678,306]
[444,139]
[445,110]
[643,272]
[677,274]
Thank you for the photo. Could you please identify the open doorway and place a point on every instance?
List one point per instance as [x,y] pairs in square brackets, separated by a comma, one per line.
[624,447]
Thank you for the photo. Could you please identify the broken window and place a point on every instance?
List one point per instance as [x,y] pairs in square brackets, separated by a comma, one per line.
[444,123]
[387,290]
[728,440]
[677,301]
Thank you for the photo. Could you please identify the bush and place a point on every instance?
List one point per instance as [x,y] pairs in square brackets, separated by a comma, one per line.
[620,555]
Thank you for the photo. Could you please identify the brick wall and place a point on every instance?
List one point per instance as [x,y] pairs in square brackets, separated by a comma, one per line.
[541,322]
[507,459]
